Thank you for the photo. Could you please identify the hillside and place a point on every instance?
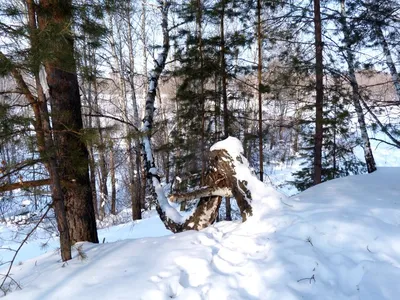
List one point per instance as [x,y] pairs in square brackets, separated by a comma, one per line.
[338,240]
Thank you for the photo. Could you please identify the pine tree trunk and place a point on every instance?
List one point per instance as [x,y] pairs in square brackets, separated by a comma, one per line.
[259,79]
[55,19]
[44,138]
[368,155]
[319,95]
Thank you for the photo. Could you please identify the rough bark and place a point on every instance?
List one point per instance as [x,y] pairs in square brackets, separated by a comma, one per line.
[319,94]
[55,21]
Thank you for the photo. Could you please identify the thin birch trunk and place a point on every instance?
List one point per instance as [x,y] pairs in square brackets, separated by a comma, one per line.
[389,60]
[368,155]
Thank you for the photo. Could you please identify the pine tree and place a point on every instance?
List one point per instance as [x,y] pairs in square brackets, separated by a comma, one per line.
[338,158]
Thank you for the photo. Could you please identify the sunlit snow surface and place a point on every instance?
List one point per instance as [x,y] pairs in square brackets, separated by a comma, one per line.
[338,240]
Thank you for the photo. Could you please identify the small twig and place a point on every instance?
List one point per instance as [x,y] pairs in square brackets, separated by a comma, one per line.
[306,278]
[309,241]
[12,280]
[369,250]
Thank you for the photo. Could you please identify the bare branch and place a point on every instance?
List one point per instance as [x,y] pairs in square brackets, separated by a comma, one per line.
[7,275]
[24,184]
[203,192]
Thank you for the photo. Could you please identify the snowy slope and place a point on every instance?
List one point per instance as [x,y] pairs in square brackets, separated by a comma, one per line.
[338,240]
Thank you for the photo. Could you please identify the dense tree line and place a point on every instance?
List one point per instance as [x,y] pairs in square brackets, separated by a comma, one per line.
[102,109]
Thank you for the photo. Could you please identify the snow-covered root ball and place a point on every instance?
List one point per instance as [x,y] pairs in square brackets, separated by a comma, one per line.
[227,175]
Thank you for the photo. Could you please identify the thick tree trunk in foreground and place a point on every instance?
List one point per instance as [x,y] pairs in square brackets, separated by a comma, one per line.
[44,137]
[55,21]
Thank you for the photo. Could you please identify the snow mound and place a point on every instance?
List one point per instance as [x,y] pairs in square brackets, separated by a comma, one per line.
[231,144]
[338,240]
[265,198]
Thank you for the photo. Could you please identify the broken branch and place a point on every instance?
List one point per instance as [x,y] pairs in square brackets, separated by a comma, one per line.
[203,192]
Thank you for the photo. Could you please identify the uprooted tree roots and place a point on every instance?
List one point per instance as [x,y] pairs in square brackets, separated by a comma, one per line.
[220,181]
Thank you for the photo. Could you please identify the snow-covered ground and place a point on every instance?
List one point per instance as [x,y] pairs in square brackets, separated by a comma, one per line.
[338,240]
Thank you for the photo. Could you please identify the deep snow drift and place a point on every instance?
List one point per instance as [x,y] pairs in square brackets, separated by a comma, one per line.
[338,240]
